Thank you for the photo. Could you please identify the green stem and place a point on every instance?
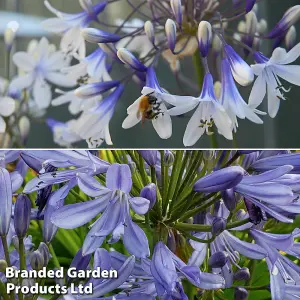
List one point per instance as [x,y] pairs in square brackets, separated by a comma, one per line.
[200,208]
[53,254]
[174,178]
[22,261]
[206,228]
[253,288]
[232,160]
[6,251]
[198,68]
[80,198]
[3,291]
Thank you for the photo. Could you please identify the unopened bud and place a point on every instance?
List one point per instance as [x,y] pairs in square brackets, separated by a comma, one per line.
[24,127]
[171,242]
[150,156]
[22,214]
[218,259]
[10,34]
[149,30]
[15,242]
[249,5]
[242,274]
[44,250]
[240,293]
[149,192]
[168,158]
[129,59]
[37,260]
[177,10]
[218,226]
[204,37]
[170,29]
[291,38]
[3,265]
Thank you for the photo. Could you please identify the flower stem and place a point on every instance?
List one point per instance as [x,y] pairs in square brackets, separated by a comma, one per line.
[53,254]
[22,262]
[3,291]
[5,248]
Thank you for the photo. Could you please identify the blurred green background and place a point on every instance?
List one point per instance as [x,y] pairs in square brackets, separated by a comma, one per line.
[279,133]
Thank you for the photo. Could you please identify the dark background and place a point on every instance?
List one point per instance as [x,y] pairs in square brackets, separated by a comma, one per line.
[281,132]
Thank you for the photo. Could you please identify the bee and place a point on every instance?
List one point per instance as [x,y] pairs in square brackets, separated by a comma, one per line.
[148,107]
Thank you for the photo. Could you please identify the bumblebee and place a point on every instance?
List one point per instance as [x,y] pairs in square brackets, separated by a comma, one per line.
[148,107]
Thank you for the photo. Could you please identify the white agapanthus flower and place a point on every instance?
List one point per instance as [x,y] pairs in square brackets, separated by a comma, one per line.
[268,82]
[70,26]
[40,65]
[209,112]
[158,113]
[7,104]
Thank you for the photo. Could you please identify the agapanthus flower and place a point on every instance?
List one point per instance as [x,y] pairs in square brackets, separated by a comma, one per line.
[226,242]
[40,65]
[284,273]
[152,106]
[162,276]
[70,25]
[114,201]
[268,82]
[209,112]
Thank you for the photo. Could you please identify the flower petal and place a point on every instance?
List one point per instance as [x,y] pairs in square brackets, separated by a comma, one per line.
[118,177]
[139,204]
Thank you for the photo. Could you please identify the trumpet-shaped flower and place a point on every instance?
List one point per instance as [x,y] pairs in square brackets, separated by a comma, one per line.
[268,82]
[70,25]
[232,100]
[114,201]
[40,65]
[285,278]
[152,106]
[208,113]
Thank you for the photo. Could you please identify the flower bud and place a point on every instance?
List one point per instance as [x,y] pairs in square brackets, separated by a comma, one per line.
[242,274]
[93,35]
[291,16]
[10,34]
[220,180]
[95,89]
[170,28]
[5,201]
[240,293]
[44,250]
[22,214]
[171,242]
[218,226]
[24,127]
[291,38]
[3,265]
[37,260]
[229,199]
[129,59]
[149,192]
[15,242]
[205,36]
[177,10]
[218,259]
[249,5]
[150,156]
[262,26]
[168,158]
[149,30]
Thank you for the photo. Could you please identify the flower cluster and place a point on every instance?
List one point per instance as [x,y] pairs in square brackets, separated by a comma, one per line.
[174,224]
[224,42]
